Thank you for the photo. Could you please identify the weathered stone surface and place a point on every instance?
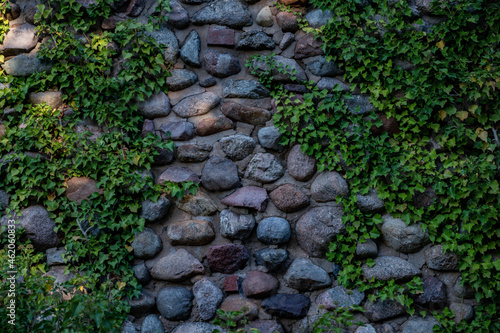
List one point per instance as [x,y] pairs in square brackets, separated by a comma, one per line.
[231,13]
[317,17]
[287,21]
[176,174]
[340,297]
[300,166]
[55,256]
[141,273]
[165,157]
[267,326]
[181,79]
[208,82]
[367,249]
[317,228]
[166,37]
[419,325]
[178,17]
[221,65]
[381,310]
[259,285]
[327,186]
[51,98]
[291,67]
[272,259]
[289,198]
[293,2]
[227,258]
[303,275]
[322,67]
[359,104]
[237,303]
[248,197]
[80,188]
[128,327]
[237,147]
[152,324]
[255,40]
[157,105]
[244,89]
[21,38]
[196,328]
[208,297]
[219,174]
[39,227]
[437,259]
[147,127]
[199,204]
[366,329]
[135,8]
[264,168]
[434,296]
[401,237]
[235,226]
[179,130]
[220,36]
[287,40]
[274,230]
[270,137]
[147,244]
[193,153]
[154,211]
[178,266]
[196,105]
[214,125]
[143,304]
[308,46]
[370,202]
[265,17]
[246,114]
[387,268]
[190,51]
[191,232]
[174,303]
[329,83]
[462,312]
[287,306]
[231,283]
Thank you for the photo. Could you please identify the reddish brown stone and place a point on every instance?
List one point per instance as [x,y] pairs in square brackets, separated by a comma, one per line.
[294,2]
[238,303]
[110,23]
[308,46]
[80,188]
[247,197]
[389,125]
[227,258]
[231,284]
[288,198]
[220,37]
[246,114]
[259,285]
[214,125]
[287,21]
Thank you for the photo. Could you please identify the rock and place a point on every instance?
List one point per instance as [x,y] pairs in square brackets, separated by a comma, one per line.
[381,310]
[366,329]
[154,211]
[359,104]
[4,200]
[179,130]
[265,17]
[246,114]
[209,126]
[255,40]
[434,296]
[208,82]
[462,312]
[463,290]
[293,2]
[147,244]
[237,147]
[178,175]
[174,303]
[267,326]
[235,226]
[199,204]
[308,46]
[287,21]
[291,69]
[177,266]
[181,79]
[388,268]
[270,138]
[20,38]
[178,17]
[220,36]
[437,259]
[244,89]
[300,166]
[166,37]
[152,324]
[156,106]
[247,197]
[196,328]
[80,188]
[419,325]
[370,202]
[39,227]
[288,306]
[196,105]
[401,237]
[327,186]
[288,198]
[264,168]
[274,231]
[231,13]
[55,256]
[190,51]
[221,65]
[322,67]
[303,275]
[317,18]
[259,285]
[287,40]
[193,153]
[164,157]
[220,174]
[340,297]
[148,127]
[237,303]
[272,259]
[208,298]
[13,12]
[317,228]
[51,98]
[367,249]
[128,327]
[329,83]
[135,8]
[141,273]
[227,258]
[143,304]
[191,232]
[231,283]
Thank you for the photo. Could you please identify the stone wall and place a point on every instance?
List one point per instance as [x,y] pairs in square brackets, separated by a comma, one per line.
[256,233]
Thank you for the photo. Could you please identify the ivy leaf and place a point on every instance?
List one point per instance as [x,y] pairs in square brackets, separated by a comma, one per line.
[440,44]
[442,114]
[462,115]
[120,285]
[482,134]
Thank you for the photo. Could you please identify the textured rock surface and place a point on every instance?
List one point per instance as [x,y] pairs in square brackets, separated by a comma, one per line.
[437,259]
[219,174]
[289,198]
[227,258]
[272,259]
[199,204]
[250,115]
[24,65]
[293,306]
[370,202]
[190,51]
[419,325]
[401,237]
[274,230]
[174,303]
[157,105]
[380,310]
[270,137]
[387,268]
[434,295]
[196,328]
[152,324]
[147,244]
[303,275]
[248,197]
[51,98]
[208,298]
[177,266]
[20,39]
[231,13]
[191,232]
[248,309]
[39,227]
[300,166]
[244,89]
[181,79]
[327,186]
[255,40]
[340,297]
[259,285]
[237,147]
[264,168]
[196,105]
[221,64]
[178,175]
[178,130]
[235,226]
[213,125]
[80,188]
[155,211]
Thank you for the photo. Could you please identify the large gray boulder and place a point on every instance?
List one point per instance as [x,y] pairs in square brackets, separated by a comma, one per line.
[401,237]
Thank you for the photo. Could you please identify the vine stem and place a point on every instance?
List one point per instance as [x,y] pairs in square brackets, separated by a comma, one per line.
[495,134]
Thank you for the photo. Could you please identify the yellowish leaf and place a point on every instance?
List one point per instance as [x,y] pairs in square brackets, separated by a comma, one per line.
[51,196]
[80,288]
[473,108]
[462,115]
[136,160]
[120,285]
[482,134]
[442,114]
[440,44]
[129,248]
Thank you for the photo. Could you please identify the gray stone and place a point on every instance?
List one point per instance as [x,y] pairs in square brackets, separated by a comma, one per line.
[237,147]
[39,227]
[179,130]
[289,65]
[181,79]
[461,312]
[244,89]
[178,17]
[434,295]
[147,244]
[141,273]
[208,298]
[25,65]
[300,166]
[166,37]
[193,153]
[51,98]
[246,114]
[197,328]
[221,65]
[366,329]
[191,232]
[317,228]
[199,204]
[272,259]
[255,40]
[154,211]
[231,13]
[21,38]
[208,82]
[270,138]
[128,327]
[327,186]
[420,325]
[219,174]
[303,275]
[463,290]
[340,297]
[359,104]
[437,259]
[367,249]
[236,226]
[177,266]
[265,17]
[401,237]
[267,326]
[287,40]
[156,106]
[174,303]
[291,306]
[317,18]
[264,168]
[248,197]
[289,198]
[176,174]
[322,67]
[388,268]
[4,200]
[190,51]
[152,324]
[274,230]
[196,105]
[55,256]
[142,304]
[329,83]
[381,310]
[370,202]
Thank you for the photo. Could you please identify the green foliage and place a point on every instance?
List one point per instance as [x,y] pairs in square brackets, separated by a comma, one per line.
[337,320]
[230,320]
